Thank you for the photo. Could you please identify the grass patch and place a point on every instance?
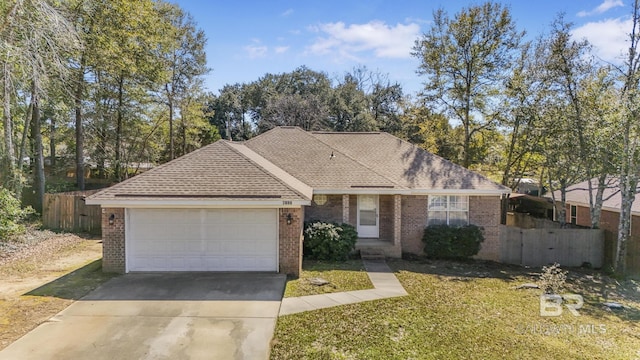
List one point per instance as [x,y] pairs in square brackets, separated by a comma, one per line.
[18,315]
[75,284]
[65,263]
[461,311]
[342,276]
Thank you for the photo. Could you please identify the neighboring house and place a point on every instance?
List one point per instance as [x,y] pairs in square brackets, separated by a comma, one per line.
[241,206]
[577,213]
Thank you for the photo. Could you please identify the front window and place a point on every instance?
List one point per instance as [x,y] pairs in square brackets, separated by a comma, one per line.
[574,214]
[448,210]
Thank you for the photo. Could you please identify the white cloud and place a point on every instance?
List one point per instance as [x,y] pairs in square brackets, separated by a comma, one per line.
[605,6]
[281,49]
[417,20]
[287,13]
[608,37]
[383,40]
[256,50]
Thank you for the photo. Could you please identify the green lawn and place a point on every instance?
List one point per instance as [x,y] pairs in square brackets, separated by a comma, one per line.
[342,276]
[467,311]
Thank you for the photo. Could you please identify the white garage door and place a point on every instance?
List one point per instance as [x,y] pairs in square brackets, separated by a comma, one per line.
[202,240]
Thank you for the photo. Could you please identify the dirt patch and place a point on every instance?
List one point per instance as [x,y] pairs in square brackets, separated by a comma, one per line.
[43,274]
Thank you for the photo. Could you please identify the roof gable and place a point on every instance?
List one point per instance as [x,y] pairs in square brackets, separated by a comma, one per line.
[317,164]
[222,171]
[364,160]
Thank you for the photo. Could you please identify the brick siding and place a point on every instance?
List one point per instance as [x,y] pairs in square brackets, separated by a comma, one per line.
[386,217]
[414,220]
[291,240]
[353,210]
[484,211]
[330,211]
[113,249]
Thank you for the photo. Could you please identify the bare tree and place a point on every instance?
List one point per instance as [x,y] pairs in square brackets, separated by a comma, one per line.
[629,165]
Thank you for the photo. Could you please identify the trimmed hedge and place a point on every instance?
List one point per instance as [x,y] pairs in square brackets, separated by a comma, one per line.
[329,241]
[449,242]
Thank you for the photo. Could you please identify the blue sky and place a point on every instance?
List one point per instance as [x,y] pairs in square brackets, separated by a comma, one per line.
[247,39]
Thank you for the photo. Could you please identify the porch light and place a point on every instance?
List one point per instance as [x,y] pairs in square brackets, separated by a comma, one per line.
[112,217]
[289,219]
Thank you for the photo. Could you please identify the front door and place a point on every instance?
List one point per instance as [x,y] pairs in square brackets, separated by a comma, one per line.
[368,216]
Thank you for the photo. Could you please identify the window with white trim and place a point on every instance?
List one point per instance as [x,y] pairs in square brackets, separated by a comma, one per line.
[574,214]
[448,210]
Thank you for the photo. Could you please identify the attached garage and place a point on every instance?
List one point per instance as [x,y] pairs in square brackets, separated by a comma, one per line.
[202,240]
[220,208]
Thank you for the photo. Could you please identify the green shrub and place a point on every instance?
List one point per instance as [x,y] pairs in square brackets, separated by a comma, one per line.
[329,241]
[449,242]
[11,214]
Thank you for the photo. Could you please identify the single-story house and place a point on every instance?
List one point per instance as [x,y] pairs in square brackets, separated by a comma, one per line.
[241,206]
[577,213]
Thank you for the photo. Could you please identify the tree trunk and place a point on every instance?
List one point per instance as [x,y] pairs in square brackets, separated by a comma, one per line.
[101,154]
[172,153]
[52,142]
[628,185]
[117,165]
[25,135]
[629,170]
[563,205]
[184,131]
[506,174]
[7,121]
[596,210]
[561,210]
[79,130]
[38,171]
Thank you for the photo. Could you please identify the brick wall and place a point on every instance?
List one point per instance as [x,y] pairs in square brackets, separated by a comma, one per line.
[353,210]
[113,250]
[330,211]
[583,216]
[484,211]
[291,240]
[414,220]
[386,217]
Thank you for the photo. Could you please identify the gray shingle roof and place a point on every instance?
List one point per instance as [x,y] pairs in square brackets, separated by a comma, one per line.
[578,194]
[289,163]
[363,159]
[222,170]
[304,156]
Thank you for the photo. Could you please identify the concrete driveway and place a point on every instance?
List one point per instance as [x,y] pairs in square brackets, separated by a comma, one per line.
[163,316]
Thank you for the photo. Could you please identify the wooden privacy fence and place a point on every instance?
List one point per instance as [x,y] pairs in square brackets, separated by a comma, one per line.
[68,211]
[538,247]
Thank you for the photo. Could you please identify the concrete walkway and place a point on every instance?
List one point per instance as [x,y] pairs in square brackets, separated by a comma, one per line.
[385,282]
